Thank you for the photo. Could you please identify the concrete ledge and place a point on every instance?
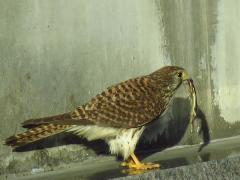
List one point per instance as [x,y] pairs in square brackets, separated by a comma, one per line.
[217,169]
[175,162]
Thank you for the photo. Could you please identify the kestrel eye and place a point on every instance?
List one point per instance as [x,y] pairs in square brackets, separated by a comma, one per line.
[179,74]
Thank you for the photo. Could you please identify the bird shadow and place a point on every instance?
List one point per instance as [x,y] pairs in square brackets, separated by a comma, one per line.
[164,132]
[169,129]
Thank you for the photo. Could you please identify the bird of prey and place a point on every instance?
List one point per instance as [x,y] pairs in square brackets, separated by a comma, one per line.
[118,115]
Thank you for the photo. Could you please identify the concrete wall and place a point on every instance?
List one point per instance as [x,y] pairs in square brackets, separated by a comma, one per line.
[202,36]
[226,61]
[55,55]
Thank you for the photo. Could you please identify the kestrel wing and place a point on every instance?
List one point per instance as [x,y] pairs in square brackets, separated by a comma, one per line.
[61,119]
[128,104]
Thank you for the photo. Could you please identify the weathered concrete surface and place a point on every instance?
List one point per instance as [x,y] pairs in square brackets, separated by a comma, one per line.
[203,37]
[226,61]
[221,169]
[46,51]
[107,167]
[56,55]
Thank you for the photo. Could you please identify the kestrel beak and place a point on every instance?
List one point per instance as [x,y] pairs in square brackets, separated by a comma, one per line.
[185,76]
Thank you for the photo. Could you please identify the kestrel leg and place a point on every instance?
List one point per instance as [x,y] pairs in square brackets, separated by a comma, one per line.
[136,167]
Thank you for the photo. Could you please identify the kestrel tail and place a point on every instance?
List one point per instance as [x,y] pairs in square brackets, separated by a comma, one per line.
[118,115]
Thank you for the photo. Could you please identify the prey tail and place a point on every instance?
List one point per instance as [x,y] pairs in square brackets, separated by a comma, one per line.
[35,134]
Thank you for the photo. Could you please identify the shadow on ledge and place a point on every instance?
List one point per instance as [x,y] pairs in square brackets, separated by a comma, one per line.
[168,130]
[164,132]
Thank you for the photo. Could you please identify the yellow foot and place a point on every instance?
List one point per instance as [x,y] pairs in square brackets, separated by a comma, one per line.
[140,166]
[136,167]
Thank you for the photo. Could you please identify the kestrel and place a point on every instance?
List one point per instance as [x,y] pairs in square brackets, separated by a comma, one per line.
[118,115]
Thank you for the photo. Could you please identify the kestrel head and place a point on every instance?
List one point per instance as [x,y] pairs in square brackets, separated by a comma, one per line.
[171,76]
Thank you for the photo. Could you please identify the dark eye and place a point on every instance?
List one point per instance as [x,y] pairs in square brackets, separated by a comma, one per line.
[179,74]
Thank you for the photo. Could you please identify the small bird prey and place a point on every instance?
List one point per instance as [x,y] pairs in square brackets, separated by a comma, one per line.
[118,115]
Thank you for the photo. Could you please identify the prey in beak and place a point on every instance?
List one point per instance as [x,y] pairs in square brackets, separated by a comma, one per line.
[193,97]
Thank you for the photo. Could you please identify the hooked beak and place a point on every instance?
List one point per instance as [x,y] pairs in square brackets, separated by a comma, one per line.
[185,76]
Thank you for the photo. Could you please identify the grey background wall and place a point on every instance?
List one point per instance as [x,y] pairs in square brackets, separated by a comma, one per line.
[55,55]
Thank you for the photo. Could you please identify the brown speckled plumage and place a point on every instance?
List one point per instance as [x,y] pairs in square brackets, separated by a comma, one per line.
[35,133]
[127,105]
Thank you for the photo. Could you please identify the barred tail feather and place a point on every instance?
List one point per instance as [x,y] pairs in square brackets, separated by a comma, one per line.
[61,118]
[35,134]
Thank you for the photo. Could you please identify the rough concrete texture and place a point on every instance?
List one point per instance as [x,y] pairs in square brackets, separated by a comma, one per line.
[106,167]
[44,160]
[221,169]
[56,55]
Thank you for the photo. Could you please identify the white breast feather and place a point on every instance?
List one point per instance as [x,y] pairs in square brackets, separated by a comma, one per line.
[93,132]
[121,141]
[125,142]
